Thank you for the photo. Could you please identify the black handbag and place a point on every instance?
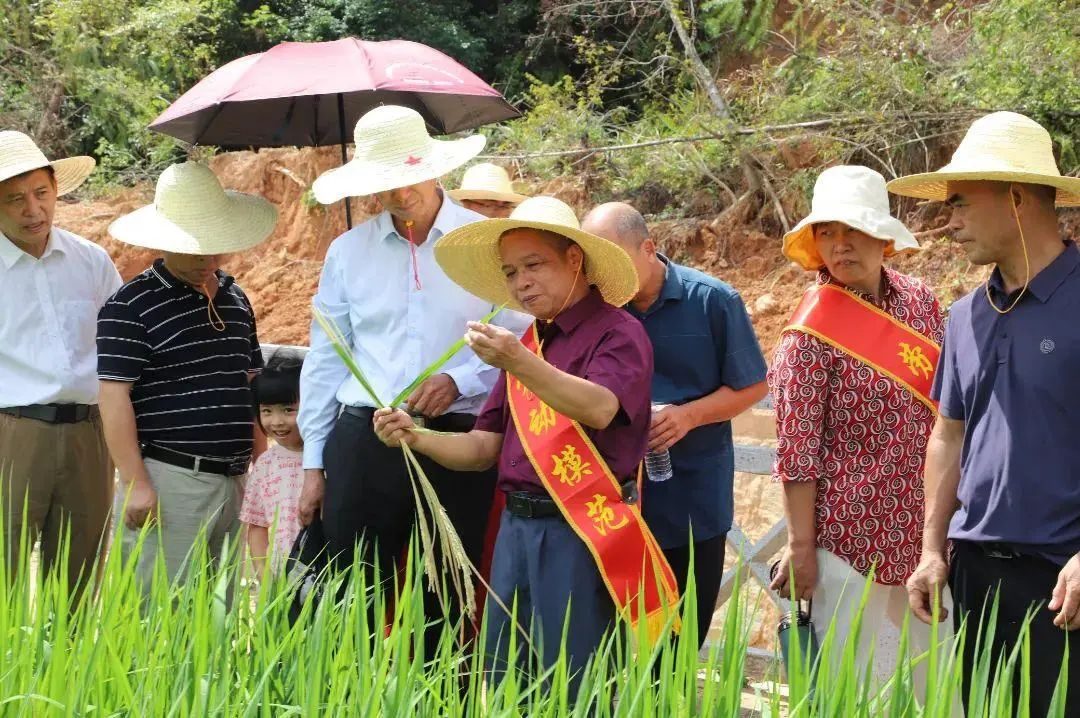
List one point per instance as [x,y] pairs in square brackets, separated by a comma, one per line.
[305,568]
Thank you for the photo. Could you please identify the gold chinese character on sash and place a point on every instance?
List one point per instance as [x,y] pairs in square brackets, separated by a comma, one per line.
[915,360]
[569,467]
[525,391]
[541,419]
[603,516]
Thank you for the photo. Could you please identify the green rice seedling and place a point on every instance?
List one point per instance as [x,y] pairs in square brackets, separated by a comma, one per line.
[183,648]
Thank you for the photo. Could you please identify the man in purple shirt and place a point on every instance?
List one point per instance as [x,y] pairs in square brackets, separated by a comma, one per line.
[1000,465]
[596,369]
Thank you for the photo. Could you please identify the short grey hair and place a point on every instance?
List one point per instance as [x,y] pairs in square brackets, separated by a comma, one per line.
[627,223]
[631,227]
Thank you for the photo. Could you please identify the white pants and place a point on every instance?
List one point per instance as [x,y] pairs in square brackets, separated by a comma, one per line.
[839,593]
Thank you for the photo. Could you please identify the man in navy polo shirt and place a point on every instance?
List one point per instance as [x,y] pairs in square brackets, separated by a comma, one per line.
[708,369]
[1001,464]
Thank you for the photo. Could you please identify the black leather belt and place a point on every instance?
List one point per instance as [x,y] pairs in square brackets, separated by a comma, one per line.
[231,467]
[51,413]
[539,506]
[459,423]
[531,506]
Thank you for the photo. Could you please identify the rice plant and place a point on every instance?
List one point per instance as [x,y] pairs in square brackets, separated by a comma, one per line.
[215,644]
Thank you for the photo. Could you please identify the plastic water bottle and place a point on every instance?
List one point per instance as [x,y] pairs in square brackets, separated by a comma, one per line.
[658,463]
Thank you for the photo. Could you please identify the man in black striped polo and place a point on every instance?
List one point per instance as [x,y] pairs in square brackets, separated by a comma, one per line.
[177,347]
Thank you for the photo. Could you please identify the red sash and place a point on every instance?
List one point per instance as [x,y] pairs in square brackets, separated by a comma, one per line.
[580,482]
[861,330]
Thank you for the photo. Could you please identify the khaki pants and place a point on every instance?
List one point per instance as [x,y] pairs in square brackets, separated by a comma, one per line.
[189,502]
[63,474]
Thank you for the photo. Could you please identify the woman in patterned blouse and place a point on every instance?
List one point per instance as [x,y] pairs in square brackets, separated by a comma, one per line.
[851,433]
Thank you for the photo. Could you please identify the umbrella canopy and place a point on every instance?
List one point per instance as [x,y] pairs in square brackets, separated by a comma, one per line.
[312,93]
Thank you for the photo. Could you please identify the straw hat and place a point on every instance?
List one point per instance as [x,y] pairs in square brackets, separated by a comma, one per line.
[393,149]
[1003,147]
[470,254]
[856,196]
[192,214]
[19,154]
[486,181]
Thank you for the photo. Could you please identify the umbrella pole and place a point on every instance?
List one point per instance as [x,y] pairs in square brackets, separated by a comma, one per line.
[344,155]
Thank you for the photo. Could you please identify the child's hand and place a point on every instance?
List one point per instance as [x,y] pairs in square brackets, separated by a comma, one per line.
[394,427]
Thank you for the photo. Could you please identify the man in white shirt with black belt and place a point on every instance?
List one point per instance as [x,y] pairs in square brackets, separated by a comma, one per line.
[399,312]
[53,459]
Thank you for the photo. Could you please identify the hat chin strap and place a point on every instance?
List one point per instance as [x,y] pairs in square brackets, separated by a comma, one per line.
[566,301]
[1027,265]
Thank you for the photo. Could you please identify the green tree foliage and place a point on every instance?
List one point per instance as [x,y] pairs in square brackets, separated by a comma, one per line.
[115,64]
[88,75]
[486,37]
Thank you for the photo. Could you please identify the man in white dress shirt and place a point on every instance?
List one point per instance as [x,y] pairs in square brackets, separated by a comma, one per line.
[383,289]
[53,460]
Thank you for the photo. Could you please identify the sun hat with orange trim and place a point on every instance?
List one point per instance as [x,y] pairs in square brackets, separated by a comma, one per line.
[856,196]
[393,149]
[486,181]
[470,254]
[999,147]
[19,154]
[193,214]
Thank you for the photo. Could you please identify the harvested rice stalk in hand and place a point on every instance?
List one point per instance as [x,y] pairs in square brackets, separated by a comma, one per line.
[454,561]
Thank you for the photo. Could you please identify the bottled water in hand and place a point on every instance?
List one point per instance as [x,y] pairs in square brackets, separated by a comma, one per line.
[658,464]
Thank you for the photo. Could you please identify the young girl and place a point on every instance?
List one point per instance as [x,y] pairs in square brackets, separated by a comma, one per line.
[273,487]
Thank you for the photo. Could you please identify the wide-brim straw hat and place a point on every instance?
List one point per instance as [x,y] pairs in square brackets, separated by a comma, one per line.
[393,149]
[486,181]
[470,254]
[855,196]
[192,214]
[19,154]
[999,147]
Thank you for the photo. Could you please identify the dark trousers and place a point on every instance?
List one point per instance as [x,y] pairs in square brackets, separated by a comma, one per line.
[369,497]
[546,568]
[1023,585]
[708,570]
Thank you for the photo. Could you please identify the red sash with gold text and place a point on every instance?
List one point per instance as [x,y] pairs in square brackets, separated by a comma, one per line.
[580,482]
[861,330]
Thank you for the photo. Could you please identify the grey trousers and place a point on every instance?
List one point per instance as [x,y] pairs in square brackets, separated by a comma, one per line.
[190,504]
[546,567]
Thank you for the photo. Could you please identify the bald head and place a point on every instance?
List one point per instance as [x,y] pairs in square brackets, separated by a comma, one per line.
[618,222]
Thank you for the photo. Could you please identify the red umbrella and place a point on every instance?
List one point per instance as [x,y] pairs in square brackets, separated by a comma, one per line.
[312,93]
[293,93]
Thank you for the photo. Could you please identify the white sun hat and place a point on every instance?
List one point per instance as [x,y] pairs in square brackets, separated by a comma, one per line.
[1001,147]
[192,214]
[486,181]
[393,149]
[470,254]
[19,154]
[856,196]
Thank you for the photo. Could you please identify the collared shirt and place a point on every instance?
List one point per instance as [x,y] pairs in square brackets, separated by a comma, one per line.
[48,316]
[395,328]
[606,346]
[861,436]
[190,390]
[702,340]
[1012,379]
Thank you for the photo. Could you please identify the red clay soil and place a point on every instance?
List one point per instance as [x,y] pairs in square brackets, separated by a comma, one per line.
[282,274]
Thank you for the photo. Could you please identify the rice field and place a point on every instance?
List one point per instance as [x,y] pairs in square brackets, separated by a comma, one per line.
[216,644]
